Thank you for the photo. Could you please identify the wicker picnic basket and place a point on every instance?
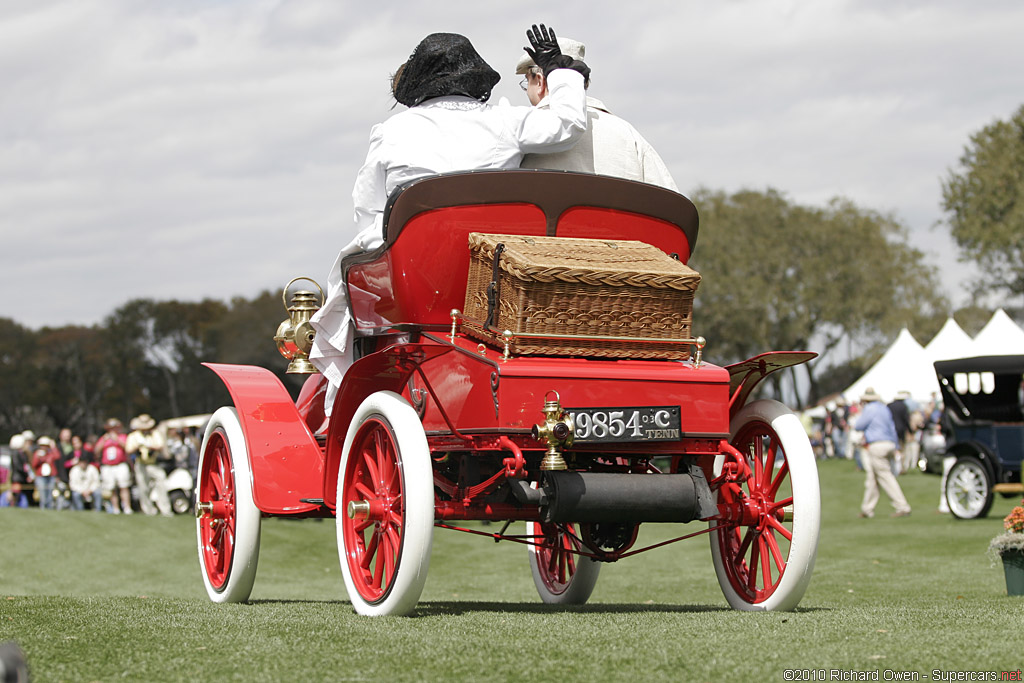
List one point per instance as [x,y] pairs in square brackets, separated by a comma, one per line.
[579,297]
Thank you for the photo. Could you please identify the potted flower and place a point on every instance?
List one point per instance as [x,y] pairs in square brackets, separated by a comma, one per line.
[1009,547]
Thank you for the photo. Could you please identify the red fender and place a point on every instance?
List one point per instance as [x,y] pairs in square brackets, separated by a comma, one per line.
[746,375]
[287,463]
[386,370]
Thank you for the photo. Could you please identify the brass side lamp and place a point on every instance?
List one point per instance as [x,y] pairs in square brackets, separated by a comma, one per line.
[295,335]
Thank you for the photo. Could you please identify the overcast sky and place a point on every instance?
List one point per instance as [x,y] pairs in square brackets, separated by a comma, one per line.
[207,148]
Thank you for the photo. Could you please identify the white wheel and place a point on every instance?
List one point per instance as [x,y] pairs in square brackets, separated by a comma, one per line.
[385,515]
[562,577]
[764,555]
[227,520]
[968,490]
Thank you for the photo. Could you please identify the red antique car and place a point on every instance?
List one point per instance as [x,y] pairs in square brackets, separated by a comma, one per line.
[431,427]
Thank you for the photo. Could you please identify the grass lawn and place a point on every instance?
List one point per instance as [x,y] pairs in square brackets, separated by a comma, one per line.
[102,597]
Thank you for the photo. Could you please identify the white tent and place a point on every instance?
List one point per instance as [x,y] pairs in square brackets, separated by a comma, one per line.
[950,342]
[906,366]
[903,367]
[1000,336]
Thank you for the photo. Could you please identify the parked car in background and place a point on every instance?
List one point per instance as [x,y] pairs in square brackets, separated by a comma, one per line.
[933,449]
[984,401]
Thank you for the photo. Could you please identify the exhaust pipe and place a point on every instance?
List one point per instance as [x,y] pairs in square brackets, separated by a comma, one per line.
[609,497]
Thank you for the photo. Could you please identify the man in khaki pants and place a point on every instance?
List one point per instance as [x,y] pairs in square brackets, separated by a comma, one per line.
[880,438]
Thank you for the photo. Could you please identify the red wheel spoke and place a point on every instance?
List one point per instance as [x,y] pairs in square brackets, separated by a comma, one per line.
[758,465]
[364,491]
[229,539]
[780,504]
[741,552]
[570,563]
[219,561]
[369,551]
[775,524]
[773,545]
[769,465]
[394,482]
[218,485]
[378,572]
[387,469]
[752,570]
[779,478]
[370,460]
[381,453]
[360,525]
[394,536]
[217,538]
[391,552]
[754,455]
[552,557]
[766,568]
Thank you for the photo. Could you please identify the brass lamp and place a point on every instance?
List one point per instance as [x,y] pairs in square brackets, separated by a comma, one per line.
[557,429]
[295,335]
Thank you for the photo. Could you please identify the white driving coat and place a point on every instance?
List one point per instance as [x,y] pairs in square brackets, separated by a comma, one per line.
[441,135]
[611,146]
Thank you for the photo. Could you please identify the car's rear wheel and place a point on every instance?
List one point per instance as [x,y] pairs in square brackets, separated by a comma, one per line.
[561,575]
[968,488]
[767,529]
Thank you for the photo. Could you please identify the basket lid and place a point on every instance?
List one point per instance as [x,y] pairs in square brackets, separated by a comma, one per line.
[618,263]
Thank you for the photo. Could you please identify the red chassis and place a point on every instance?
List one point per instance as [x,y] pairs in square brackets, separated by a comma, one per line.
[430,426]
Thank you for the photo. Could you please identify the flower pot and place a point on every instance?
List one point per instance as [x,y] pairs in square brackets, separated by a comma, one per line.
[1013,567]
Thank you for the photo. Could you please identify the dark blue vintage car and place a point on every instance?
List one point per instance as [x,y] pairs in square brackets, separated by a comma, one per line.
[984,401]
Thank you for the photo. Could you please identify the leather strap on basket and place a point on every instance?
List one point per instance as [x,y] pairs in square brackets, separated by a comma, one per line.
[493,289]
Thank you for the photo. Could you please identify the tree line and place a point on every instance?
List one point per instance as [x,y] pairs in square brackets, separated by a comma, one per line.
[145,357]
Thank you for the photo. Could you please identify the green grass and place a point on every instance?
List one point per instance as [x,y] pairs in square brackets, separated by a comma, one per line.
[99,598]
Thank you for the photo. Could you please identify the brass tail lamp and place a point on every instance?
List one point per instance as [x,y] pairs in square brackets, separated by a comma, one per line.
[295,335]
[557,429]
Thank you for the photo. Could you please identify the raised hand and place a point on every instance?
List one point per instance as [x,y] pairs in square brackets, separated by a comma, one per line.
[545,53]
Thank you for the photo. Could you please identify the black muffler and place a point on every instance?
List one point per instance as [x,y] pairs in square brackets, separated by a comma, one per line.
[607,497]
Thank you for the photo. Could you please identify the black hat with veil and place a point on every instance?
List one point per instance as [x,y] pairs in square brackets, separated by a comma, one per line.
[444,64]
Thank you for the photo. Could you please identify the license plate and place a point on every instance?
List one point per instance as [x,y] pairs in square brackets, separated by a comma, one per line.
[626,425]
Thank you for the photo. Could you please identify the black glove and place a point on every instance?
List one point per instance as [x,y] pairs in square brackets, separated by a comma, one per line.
[547,55]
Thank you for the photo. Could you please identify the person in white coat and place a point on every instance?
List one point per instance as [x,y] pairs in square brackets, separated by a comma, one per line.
[449,126]
[610,146]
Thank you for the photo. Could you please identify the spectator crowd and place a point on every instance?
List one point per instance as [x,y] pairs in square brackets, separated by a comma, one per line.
[99,473]
[914,423]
